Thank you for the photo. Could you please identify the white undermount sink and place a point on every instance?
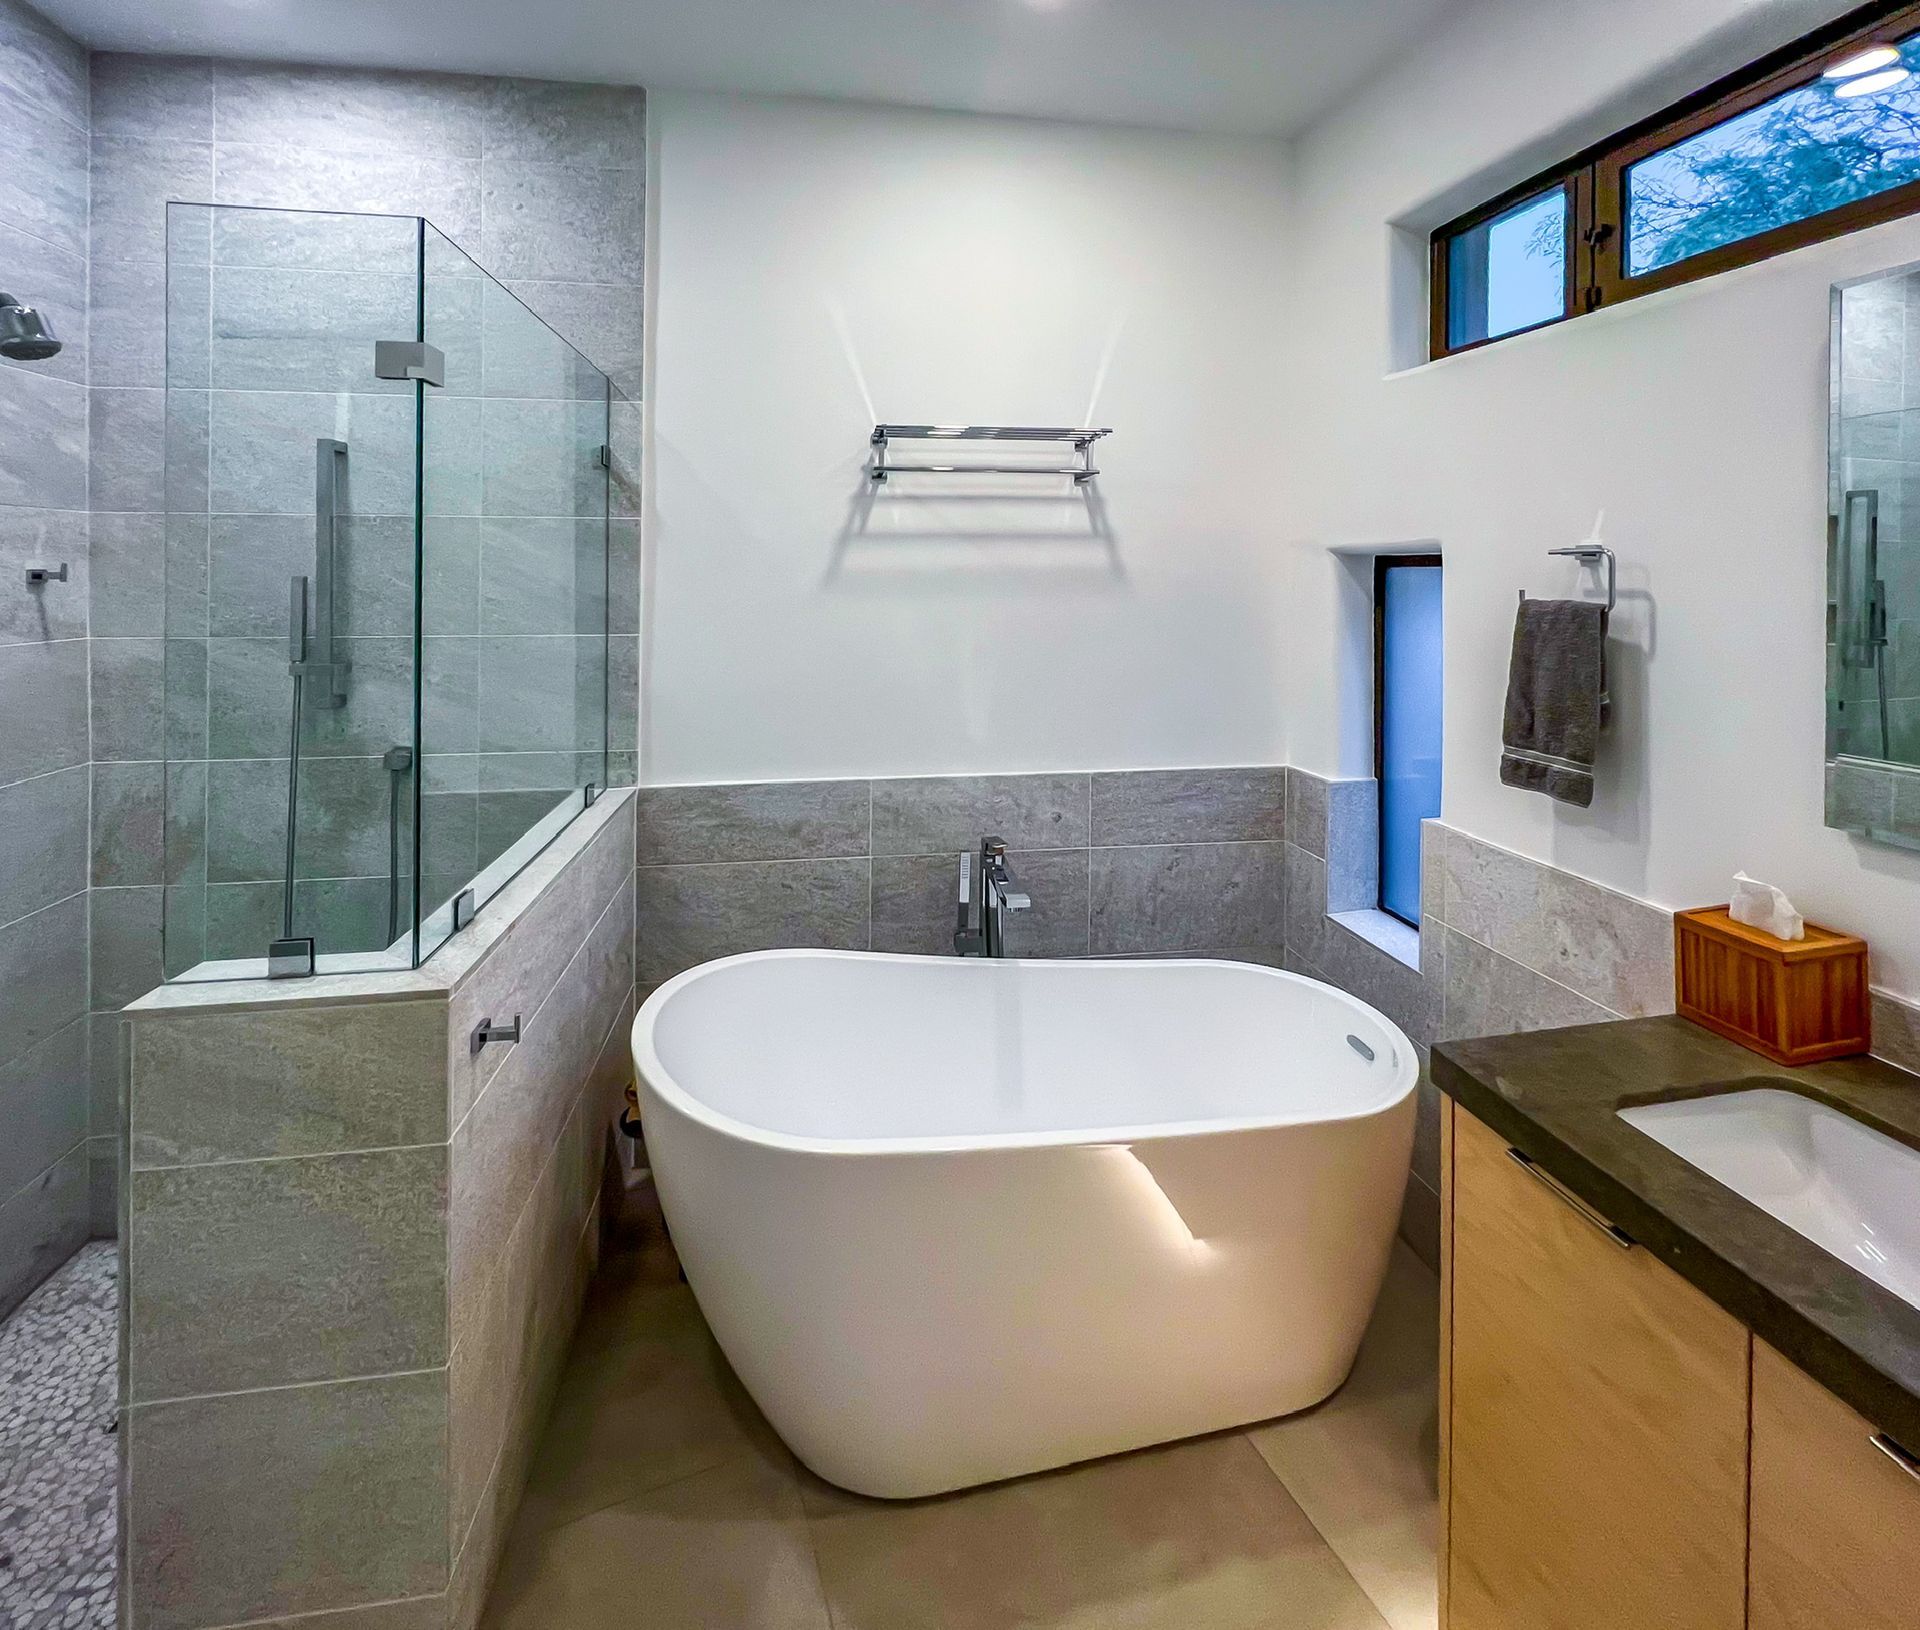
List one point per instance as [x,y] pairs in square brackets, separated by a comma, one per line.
[1851,1190]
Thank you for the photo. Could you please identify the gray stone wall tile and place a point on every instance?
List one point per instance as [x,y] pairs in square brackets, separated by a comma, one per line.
[1190,806]
[543,575]
[1306,904]
[128,576]
[33,614]
[43,426]
[43,975]
[930,815]
[43,65]
[127,448]
[124,944]
[277,328]
[562,223]
[1420,1221]
[265,1504]
[914,903]
[605,323]
[45,825]
[1488,995]
[268,1273]
[541,458]
[128,325]
[42,1225]
[516,975]
[1179,897]
[43,170]
[299,1081]
[1615,950]
[349,110]
[43,726]
[1307,811]
[157,98]
[43,1105]
[763,820]
[446,190]
[129,688]
[261,452]
[1896,1031]
[134,179]
[546,121]
[1353,846]
[503,1146]
[692,914]
[1383,981]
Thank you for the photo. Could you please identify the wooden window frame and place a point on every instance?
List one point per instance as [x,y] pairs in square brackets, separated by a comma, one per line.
[1596,183]
[1382,564]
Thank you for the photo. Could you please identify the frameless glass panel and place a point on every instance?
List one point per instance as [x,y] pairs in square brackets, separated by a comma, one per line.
[1873,567]
[1410,676]
[1508,273]
[514,559]
[1801,154]
[291,480]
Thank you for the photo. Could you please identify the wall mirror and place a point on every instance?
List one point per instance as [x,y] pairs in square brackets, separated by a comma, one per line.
[1873,560]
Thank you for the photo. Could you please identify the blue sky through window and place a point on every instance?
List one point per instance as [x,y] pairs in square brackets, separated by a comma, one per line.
[1807,151]
[1510,272]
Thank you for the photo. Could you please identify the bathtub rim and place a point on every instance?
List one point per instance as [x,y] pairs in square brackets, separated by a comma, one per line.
[653,1075]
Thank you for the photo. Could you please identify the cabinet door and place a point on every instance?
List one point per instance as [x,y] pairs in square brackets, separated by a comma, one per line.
[1836,1522]
[1597,1442]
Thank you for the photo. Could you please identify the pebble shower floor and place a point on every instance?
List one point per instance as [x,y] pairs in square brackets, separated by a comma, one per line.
[58,1461]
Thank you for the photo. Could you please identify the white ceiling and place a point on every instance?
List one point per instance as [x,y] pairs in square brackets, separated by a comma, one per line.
[1259,67]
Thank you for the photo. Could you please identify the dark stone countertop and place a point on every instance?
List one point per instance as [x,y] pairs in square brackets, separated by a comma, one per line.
[1553,1095]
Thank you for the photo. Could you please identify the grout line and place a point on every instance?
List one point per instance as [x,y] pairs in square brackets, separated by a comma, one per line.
[135,1406]
[283,1160]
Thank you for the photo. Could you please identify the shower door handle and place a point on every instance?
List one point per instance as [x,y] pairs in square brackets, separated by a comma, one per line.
[329,456]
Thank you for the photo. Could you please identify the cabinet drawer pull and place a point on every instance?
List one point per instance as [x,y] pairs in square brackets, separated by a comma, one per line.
[1619,1236]
[1910,1464]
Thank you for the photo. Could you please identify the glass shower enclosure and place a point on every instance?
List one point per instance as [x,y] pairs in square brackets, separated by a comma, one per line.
[386,558]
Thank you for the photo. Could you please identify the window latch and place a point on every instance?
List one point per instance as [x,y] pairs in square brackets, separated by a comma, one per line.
[1598,234]
[1593,298]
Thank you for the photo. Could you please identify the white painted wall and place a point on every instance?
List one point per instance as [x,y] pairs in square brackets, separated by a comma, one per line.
[818,266]
[1695,419]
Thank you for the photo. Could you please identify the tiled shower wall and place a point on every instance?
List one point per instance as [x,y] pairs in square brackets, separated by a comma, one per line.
[44,1181]
[542,183]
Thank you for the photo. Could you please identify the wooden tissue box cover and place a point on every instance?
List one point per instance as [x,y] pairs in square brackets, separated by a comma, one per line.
[1795,1001]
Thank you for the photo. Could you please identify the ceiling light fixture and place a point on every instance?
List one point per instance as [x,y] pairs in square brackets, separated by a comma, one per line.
[1863,62]
[1885,80]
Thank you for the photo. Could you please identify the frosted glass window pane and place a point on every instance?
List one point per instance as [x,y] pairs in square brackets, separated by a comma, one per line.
[1411,673]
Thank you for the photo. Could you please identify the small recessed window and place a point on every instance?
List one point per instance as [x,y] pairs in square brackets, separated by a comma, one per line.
[1406,701]
[1508,273]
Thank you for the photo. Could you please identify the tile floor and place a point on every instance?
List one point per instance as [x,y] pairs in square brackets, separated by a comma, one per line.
[660,1497]
[58,1454]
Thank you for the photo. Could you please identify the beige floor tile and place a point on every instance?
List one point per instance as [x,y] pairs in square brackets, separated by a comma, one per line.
[1363,1465]
[1195,1536]
[646,1400]
[724,1549]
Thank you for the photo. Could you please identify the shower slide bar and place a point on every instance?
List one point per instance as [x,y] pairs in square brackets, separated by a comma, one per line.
[1082,439]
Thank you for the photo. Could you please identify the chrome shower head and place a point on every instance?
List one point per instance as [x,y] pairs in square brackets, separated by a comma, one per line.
[25,335]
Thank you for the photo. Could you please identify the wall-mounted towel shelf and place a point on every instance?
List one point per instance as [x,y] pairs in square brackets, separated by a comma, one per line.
[1082,439]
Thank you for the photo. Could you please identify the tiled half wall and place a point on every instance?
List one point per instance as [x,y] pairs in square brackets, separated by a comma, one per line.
[356,1251]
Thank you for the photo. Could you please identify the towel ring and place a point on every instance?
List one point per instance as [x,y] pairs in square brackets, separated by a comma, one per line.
[1591,554]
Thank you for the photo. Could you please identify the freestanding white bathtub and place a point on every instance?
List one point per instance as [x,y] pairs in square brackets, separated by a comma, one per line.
[954,1221]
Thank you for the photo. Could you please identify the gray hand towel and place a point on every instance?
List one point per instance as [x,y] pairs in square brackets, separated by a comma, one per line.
[1555,688]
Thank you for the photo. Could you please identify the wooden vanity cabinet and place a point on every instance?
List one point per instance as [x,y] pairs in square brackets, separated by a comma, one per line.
[1593,1417]
[1836,1521]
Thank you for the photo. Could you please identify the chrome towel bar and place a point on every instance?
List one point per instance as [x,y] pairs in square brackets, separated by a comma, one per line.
[1082,439]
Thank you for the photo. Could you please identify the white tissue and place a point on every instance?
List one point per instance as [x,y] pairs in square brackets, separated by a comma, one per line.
[1761,905]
